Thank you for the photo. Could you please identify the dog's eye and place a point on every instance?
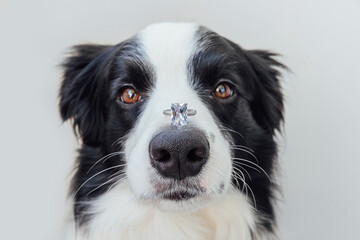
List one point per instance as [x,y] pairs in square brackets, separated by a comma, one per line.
[129,95]
[223,90]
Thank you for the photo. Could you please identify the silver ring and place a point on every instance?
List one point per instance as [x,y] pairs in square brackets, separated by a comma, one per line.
[179,113]
[190,112]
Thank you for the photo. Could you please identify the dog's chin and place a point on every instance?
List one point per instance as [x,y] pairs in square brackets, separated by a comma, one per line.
[185,195]
[182,202]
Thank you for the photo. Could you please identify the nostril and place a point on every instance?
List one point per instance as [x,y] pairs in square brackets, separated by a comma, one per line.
[196,154]
[161,155]
[179,153]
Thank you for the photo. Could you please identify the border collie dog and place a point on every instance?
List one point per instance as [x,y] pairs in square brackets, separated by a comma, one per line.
[148,168]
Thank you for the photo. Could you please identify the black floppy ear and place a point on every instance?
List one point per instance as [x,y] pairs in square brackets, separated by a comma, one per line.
[267,104]
[81,94]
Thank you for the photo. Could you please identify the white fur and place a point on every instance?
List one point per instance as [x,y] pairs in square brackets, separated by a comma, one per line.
[122,215]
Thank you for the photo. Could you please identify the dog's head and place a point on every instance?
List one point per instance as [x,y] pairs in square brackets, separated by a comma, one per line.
[116,97]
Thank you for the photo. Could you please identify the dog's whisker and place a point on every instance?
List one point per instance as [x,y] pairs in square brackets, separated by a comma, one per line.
[246,186]
[256,165]
[113,185]
[117,141]
[223,128]
[239,171]
[112,156]
[242,177]
[246,165]
[237,186]
[243,146]
[106,157]
[107,169]
[233,172]
[244,150]
[117,173]
[240,166]
[103,184]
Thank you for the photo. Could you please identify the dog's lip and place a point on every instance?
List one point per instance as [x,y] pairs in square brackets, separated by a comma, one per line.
[179,196]
[177,190]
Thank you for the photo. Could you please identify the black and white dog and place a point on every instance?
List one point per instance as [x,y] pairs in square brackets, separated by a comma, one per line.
[203,173]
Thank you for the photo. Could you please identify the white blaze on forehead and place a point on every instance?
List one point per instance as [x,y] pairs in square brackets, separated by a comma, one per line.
[169,47]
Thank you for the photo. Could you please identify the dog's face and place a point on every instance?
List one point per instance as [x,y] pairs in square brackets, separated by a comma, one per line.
[116,97]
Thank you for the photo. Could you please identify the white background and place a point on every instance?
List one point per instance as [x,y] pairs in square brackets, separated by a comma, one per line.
[320,158]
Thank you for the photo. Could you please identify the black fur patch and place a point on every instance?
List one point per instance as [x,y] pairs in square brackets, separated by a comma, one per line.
[93,77]
[250,117]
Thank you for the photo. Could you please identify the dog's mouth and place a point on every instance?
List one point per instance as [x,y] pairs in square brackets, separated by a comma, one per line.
[175,190]
[179,196]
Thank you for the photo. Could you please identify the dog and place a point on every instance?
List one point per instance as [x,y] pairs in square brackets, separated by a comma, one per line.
[177,127]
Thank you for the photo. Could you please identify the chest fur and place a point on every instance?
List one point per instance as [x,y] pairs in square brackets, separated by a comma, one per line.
[119,215]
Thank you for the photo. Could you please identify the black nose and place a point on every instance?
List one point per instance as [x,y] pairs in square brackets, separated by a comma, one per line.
[179,153]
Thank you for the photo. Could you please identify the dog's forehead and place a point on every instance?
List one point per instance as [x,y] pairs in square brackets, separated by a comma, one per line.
[168,48]
[179,51]
[168,41]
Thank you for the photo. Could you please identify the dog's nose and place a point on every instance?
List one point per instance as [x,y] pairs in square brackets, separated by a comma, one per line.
[179,152]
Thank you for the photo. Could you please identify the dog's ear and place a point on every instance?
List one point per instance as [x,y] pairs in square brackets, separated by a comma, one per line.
[267,103]
[86,71]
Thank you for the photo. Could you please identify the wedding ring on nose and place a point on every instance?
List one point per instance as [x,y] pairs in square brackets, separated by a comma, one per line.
[179,113]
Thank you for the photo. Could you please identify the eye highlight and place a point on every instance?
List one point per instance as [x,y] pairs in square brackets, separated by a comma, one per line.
[129,95]
[223,90]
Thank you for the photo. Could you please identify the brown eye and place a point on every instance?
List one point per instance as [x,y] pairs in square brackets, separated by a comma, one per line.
[223,90]
[129,95]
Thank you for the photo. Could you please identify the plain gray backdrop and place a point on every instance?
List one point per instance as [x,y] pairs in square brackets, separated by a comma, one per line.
[319,150]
